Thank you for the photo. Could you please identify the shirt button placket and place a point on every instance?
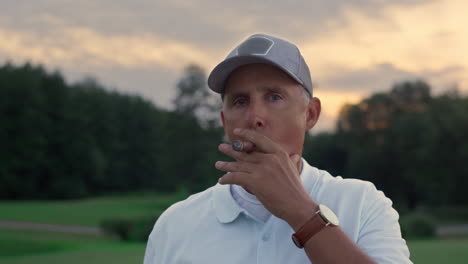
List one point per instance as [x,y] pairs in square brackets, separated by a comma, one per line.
[265,245]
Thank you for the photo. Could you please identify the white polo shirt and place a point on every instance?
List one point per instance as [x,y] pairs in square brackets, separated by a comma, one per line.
[210,227]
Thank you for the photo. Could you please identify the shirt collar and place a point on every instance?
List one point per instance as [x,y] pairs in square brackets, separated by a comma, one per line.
[226,208]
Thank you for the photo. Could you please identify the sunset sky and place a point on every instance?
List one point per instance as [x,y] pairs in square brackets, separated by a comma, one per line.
[353,48]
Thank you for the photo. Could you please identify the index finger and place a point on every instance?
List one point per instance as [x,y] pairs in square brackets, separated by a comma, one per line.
[261,142]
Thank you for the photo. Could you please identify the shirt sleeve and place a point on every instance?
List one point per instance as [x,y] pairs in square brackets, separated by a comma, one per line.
[156,246]
[380,234]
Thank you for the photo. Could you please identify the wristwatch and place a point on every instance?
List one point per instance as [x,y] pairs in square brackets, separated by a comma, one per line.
[322,218]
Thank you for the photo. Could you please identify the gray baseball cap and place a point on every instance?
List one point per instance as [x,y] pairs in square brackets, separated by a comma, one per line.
[261,48]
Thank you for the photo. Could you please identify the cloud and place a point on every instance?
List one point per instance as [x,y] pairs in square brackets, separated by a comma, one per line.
[381,77]
[349,86]
[353,47]
[407,37]
[86,47]
[207,23]
[365,80]
[369,54]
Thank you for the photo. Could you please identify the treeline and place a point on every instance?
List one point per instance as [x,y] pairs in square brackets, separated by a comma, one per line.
[68,141]
[59,140]
[412,145]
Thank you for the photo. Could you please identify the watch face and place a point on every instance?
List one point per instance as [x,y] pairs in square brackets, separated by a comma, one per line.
[328,215]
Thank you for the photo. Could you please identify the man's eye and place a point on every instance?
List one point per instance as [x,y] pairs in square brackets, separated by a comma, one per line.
[275,97]
[240,101]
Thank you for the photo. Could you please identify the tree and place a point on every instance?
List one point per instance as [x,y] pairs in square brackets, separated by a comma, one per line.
[194,99]
[410,144]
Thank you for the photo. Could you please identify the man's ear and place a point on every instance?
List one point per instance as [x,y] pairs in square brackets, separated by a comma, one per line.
[313,112]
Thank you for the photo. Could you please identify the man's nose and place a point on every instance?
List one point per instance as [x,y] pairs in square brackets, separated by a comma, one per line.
[256,116]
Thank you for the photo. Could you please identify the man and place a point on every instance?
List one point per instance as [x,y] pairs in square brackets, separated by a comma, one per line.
[271,206]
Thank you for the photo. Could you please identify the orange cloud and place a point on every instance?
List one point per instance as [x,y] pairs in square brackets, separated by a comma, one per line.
[425,37]
[84,46]
[423,40]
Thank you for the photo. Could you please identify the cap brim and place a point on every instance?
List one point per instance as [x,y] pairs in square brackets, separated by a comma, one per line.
[221,72]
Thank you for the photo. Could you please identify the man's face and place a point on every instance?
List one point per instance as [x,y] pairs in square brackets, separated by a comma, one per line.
[263,98]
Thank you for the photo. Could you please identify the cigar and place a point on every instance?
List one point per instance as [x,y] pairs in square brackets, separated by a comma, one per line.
[243,146]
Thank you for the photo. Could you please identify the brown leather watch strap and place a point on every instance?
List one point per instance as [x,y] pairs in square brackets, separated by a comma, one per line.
[314,225]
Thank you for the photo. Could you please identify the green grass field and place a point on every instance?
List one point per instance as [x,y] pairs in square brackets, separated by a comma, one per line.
[18,246]
[33,247]
[28,247]
[38,247]
[89,212]
[439,251]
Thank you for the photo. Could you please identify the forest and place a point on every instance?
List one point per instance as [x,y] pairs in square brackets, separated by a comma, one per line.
[62,141]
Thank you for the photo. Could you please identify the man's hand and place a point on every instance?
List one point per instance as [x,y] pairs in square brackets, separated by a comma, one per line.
[271,175]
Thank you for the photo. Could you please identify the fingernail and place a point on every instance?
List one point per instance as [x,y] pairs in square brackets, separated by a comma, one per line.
[219,163]
[237,130]
[223,146]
